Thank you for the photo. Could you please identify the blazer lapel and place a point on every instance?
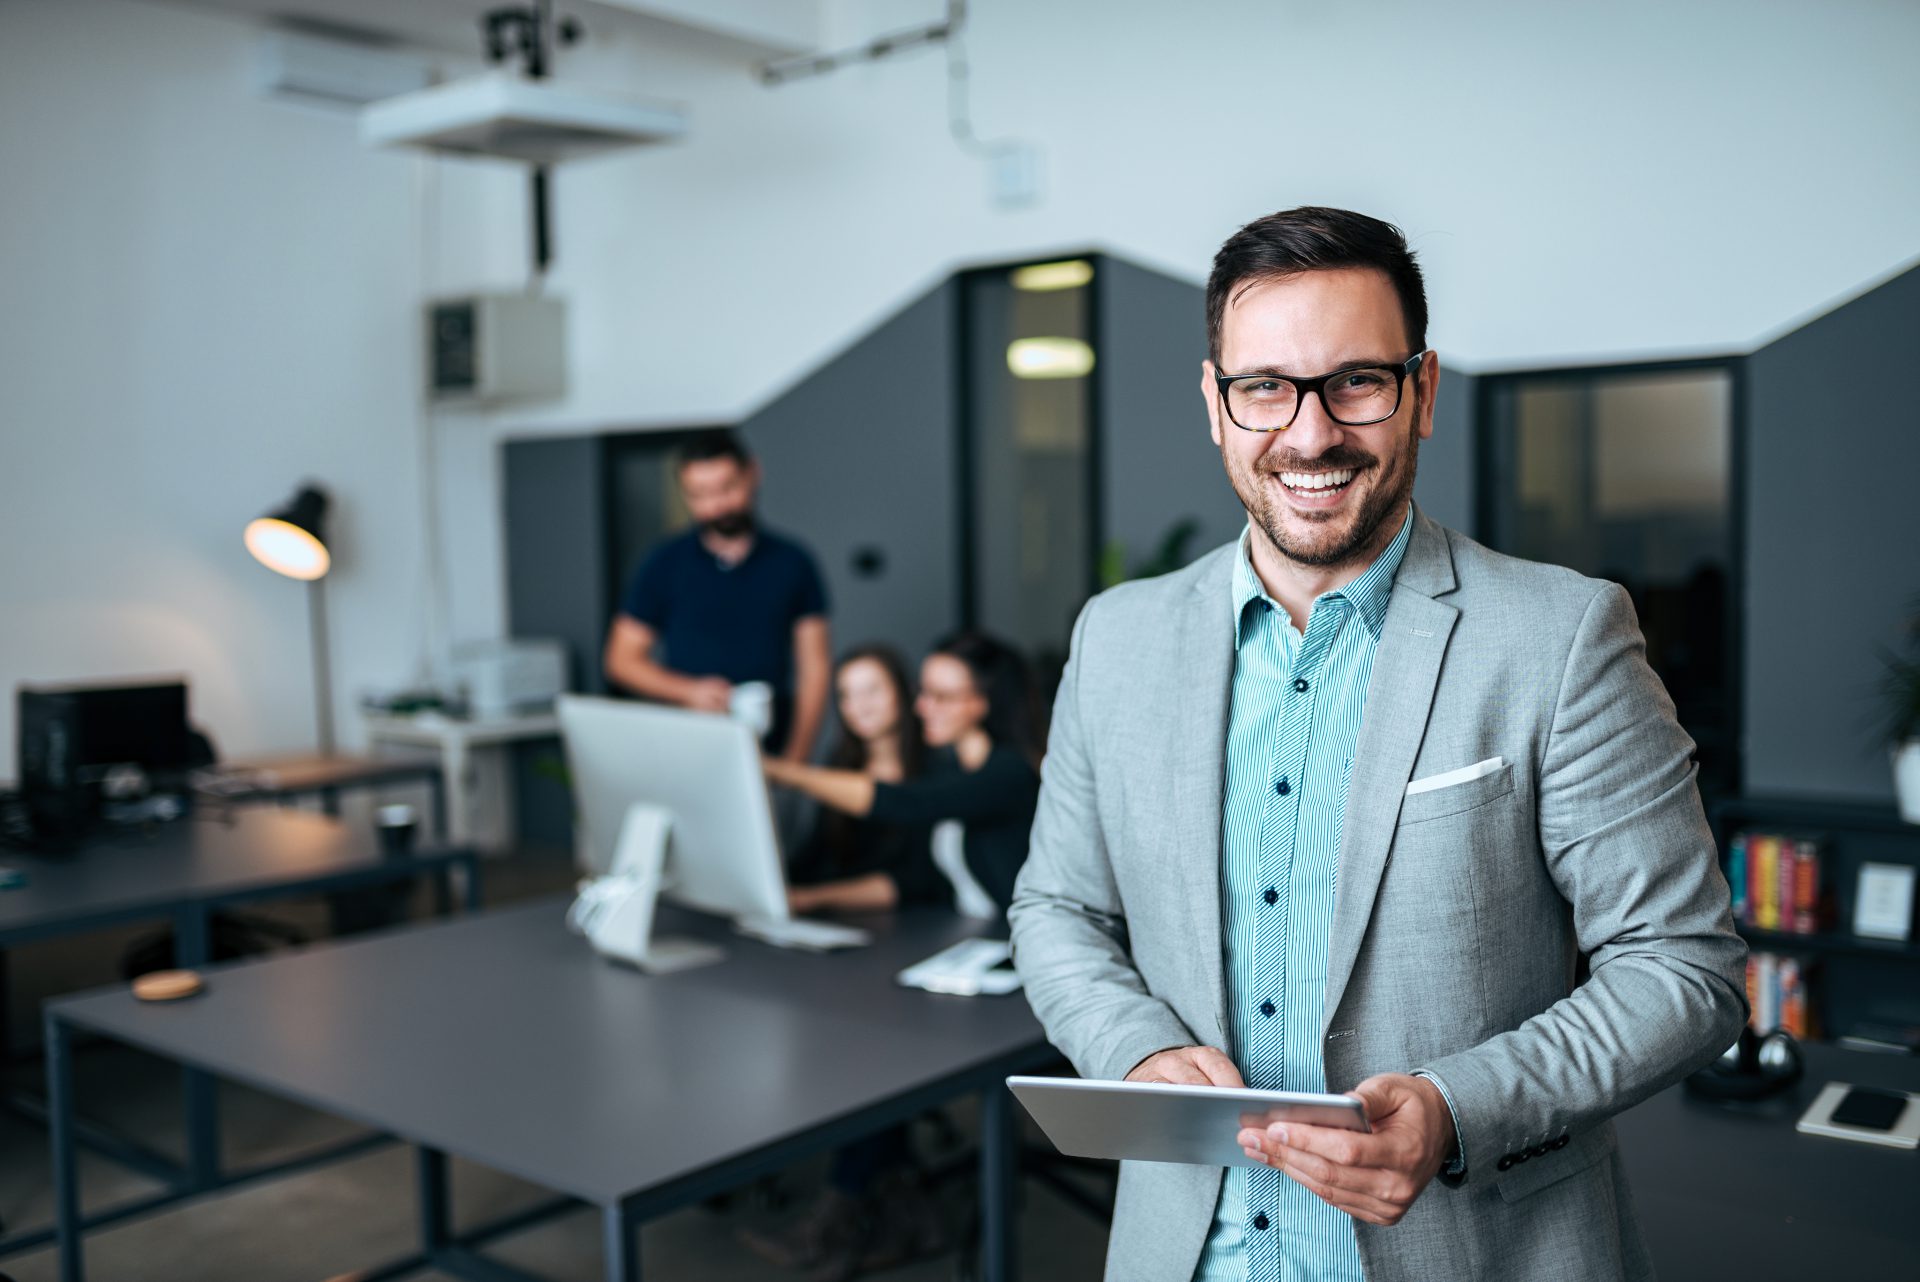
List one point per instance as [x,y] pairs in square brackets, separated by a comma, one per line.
[1198,765]
[1406,670]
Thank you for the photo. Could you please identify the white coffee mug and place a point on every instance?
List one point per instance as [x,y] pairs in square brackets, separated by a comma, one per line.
[752,706]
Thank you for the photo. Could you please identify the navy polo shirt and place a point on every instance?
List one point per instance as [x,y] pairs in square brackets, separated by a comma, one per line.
[732,621]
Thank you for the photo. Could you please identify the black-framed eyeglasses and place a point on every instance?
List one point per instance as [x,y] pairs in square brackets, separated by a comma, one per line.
[1353,397]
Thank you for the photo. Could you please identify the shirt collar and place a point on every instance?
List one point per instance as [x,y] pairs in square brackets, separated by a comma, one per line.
[1367,594]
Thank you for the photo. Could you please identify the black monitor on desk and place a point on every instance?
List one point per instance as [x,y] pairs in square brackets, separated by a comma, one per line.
[72,735]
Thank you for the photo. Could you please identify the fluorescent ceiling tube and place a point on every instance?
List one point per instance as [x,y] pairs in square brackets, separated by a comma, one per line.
[1040,278]
[1049,358]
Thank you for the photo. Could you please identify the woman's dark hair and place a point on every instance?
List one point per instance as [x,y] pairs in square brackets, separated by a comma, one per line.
[849,750]
[1315,238]
[1000,676]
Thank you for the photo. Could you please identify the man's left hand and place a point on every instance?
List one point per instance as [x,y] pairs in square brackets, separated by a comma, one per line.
[1372,1177]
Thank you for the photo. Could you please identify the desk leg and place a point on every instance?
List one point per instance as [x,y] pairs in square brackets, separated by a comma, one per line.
[999,1178]
[192,947]
[6,1015]
[621,1242]
[66,1175]
[436,1231]
[470,884]
[439,789]
[456,763]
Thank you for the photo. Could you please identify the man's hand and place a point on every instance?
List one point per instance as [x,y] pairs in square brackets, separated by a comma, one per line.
[1188,1066]
[709,694]
[1371,1177]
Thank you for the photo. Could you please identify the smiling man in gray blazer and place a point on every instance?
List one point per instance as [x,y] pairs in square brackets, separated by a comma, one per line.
[1355,804]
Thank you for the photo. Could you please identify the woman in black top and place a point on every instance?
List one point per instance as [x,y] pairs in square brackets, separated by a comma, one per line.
[976,703]
[855,864]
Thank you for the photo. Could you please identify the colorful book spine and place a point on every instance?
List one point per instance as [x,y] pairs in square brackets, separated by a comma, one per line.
[1767,1013]
[1793,997]
[1764,853]
[1788,872]
[1806,887]
[1737,875]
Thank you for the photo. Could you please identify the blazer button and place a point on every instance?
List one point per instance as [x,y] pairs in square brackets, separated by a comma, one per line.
[1562,1142]
[1538,1150]
[1522,1155]
[1506,1162]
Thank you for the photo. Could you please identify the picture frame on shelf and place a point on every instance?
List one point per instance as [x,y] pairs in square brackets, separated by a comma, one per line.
[1883,904]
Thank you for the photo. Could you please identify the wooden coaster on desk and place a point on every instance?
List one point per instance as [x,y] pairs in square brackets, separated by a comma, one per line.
[167,985]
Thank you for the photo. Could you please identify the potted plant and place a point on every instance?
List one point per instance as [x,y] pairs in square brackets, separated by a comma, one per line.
[1901,686]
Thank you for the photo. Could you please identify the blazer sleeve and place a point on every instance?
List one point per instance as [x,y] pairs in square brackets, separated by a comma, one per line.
[1627,845]
[1068,926]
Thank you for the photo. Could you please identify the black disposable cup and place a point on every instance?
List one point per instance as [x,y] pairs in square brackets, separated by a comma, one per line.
[396,826]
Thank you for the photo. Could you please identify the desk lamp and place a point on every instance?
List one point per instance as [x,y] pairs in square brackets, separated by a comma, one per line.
[291,540]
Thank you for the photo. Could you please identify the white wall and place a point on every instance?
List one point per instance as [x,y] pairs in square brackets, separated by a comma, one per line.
[1582,182]
[206,298]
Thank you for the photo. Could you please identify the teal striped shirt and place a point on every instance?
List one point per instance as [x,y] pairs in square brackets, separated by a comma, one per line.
[1297,701]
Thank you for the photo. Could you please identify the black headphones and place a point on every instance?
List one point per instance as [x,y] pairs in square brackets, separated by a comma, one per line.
[1752,1068]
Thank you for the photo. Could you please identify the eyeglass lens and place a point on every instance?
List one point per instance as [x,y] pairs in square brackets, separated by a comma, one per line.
[1353,397]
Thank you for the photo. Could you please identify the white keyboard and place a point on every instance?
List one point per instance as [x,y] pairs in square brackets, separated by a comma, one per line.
[798,932]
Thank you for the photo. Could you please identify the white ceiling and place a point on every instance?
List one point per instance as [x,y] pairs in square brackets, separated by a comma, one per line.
[750,30]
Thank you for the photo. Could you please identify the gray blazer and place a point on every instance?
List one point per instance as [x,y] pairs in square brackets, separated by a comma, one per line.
[1464,913]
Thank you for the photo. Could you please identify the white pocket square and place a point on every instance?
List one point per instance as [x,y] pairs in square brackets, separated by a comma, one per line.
[1465,774]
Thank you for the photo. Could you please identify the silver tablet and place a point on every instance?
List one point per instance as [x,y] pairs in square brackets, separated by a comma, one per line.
[1160,1122]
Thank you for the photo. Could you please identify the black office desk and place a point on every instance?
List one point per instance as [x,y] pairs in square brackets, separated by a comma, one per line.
[185,871]
[504,1040]
[1733,1191]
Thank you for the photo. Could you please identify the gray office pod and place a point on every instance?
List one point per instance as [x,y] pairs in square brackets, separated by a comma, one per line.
[1833,542]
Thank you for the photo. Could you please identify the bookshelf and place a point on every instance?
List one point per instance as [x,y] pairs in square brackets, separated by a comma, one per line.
[1854,980]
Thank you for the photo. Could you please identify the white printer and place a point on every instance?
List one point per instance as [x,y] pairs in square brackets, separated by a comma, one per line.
[501,678]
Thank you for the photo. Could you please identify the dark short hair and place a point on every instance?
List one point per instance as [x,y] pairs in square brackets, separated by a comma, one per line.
[1310,239]
[713,443]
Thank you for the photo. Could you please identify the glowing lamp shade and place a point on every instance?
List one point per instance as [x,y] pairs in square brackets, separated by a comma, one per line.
[1041,278]
[1049,358]
[291,540]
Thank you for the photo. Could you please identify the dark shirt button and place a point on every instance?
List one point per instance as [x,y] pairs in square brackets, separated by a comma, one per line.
[1260,1221]
[1283,787]
[1266,1008]
[1505,1163]
[1272,896]
[1301,685]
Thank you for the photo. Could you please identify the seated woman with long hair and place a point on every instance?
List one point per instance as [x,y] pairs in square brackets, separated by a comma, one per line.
[854,863]
[976,706]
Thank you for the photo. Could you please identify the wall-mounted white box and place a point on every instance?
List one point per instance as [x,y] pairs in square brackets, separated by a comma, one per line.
[496,347]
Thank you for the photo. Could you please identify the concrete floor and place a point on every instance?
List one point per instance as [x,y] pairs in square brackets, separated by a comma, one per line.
[358,1213]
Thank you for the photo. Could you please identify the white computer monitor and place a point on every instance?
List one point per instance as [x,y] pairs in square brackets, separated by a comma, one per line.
[722,854]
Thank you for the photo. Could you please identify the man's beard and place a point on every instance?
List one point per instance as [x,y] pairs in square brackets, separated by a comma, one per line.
[733,525]
[1336,549]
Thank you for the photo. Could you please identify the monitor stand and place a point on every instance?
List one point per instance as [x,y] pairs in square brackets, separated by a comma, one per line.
[615,912]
